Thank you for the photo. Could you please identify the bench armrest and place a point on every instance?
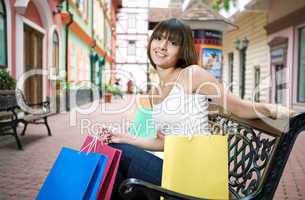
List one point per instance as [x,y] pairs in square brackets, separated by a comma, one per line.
[12,109]
[132,187]
[44,104]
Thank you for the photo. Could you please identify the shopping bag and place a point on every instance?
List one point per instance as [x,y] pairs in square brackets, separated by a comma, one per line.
[74,176]
[196,165]
[93,144]
[142,124]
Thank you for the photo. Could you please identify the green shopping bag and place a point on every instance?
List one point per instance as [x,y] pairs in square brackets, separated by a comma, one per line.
[142,125]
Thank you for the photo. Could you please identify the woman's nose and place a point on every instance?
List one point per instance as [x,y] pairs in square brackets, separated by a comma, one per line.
[163,44]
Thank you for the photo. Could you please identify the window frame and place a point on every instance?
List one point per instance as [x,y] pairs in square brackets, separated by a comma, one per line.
[131,42]
[134,24]
[257,80]
[231,70]
[242,72]
[55,58]
[5,35]
[299,33]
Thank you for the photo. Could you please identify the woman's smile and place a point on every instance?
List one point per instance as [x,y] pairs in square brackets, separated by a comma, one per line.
[159,54]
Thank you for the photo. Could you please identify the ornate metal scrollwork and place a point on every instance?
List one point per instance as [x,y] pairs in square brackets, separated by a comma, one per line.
[249,153]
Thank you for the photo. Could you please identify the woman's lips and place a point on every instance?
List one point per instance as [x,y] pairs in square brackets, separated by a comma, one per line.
[158,54]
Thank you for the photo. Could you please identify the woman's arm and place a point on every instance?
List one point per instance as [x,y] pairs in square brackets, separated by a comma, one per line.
[205,83]
[151,144]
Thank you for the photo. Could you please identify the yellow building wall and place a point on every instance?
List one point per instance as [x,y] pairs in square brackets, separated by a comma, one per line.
[251,25]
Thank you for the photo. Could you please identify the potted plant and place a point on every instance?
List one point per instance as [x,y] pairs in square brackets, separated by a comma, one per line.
[108,91]
[7,83]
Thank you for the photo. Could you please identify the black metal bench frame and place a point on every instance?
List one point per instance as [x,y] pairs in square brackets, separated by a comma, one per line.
[9,122]
[257,149]
[9,125]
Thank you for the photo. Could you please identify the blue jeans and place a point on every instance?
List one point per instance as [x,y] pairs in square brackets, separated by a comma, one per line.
[136,163]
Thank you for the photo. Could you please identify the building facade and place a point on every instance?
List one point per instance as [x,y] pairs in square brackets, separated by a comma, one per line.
[30,39]
[70,41]
[131,40]
[89,29]
[246,57]
[265,56]
[286,40]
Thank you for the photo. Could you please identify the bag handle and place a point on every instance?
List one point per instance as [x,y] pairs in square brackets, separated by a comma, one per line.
[93,143]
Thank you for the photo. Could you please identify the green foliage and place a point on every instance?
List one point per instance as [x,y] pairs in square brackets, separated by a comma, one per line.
[107,88]
[6,81]
[226,4]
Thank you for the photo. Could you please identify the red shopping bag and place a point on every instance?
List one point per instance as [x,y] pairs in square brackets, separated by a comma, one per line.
[92,144]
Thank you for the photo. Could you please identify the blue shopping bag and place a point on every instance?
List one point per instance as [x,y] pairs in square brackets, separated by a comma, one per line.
[74,175]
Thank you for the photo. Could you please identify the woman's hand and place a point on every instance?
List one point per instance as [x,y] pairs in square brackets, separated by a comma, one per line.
[279,112]
[110,137]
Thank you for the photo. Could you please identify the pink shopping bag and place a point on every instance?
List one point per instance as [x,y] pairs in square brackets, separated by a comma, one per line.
[92,144]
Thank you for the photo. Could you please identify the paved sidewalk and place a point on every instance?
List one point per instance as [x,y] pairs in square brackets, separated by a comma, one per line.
[23,172]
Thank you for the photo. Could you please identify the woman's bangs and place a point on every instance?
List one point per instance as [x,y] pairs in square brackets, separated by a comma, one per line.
[170,31]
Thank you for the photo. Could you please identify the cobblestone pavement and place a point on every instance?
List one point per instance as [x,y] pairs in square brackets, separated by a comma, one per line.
[23,172]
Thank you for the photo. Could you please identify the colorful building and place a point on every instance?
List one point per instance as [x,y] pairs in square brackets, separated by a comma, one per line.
[72,41]
[30,36]
[89,29]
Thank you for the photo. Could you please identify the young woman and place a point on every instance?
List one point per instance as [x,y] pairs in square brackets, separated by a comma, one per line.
[179,104]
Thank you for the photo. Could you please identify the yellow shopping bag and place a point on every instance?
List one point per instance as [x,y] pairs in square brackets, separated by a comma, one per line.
[196,166]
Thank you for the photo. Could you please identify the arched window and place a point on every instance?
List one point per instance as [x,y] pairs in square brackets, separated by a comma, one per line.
[3,60]
[56,52]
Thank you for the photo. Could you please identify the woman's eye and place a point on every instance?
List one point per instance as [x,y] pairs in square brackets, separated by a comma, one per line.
[158,38]
[174,43]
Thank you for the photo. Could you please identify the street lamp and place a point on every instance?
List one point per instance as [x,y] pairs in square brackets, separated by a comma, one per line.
[241,45]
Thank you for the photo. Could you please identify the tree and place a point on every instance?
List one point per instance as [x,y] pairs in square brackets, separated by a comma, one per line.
[226,4]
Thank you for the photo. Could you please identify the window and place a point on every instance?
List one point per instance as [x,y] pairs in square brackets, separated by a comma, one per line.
[257,77]
[2,36]
[82,6]
[72,69]
[301,71]
[56,52]
[131,20]
[280,84]
[242,73]
[231,66]
[131,50]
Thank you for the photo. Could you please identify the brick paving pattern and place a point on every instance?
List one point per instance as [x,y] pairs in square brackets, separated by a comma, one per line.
[23,172]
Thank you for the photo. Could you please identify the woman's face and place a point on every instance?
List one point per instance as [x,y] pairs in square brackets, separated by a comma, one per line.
[164,53]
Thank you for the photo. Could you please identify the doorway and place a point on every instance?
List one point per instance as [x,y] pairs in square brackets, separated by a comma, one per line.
[33,44]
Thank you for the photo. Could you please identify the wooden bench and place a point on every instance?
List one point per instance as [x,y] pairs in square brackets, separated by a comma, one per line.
[258,154]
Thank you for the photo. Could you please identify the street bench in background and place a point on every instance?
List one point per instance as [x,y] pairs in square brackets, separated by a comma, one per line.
[8,117]
[32,118]
[11,115]
[258,154]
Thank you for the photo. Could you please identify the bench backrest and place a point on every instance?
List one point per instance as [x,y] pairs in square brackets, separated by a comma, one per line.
[258,152]
[7,101]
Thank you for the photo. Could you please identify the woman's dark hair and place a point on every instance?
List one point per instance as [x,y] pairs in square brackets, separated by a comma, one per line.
[176,31]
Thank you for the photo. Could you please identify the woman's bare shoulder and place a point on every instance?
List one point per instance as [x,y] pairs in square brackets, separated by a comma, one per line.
[196,75]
